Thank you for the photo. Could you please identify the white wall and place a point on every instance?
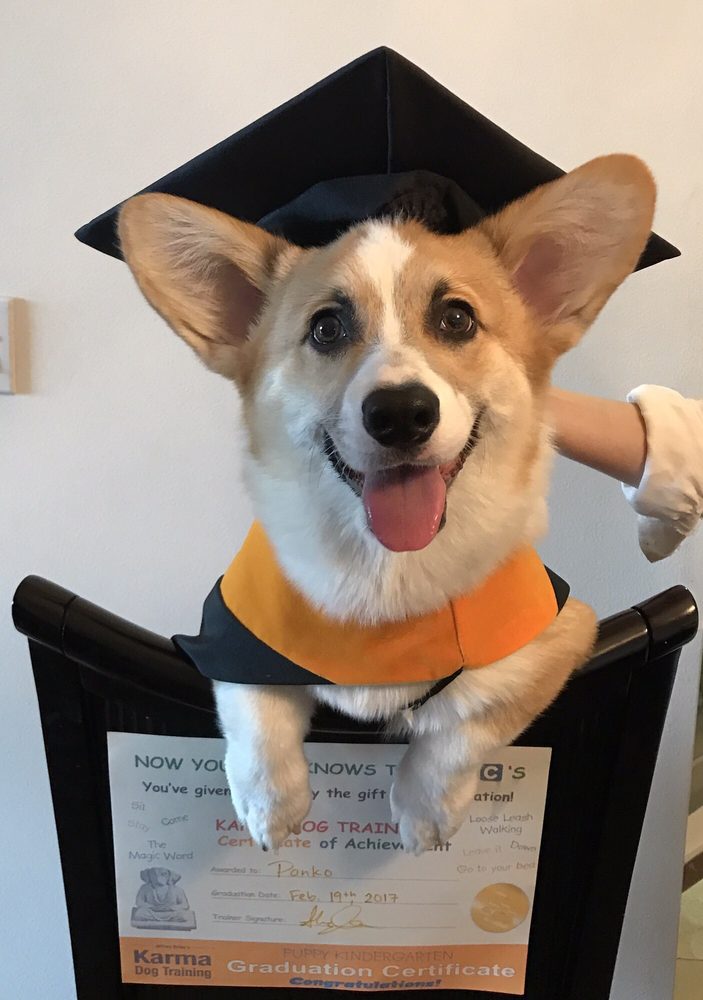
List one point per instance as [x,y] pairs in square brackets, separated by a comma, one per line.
[119,470]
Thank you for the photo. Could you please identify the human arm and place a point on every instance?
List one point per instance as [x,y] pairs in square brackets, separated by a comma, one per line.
[604,434]
[653,444]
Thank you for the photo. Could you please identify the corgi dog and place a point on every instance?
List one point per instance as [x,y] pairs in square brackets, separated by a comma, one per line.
[394,386]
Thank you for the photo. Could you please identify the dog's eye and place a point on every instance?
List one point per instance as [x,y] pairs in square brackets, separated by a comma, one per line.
[326,331]
[457,320]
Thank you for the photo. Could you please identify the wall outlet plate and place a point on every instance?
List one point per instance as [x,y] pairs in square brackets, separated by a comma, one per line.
[7,356]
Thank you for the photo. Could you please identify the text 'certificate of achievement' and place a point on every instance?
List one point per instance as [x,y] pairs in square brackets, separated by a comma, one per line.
[339,906]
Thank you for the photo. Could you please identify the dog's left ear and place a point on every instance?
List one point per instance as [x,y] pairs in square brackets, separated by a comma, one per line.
[568,244]
[207,274]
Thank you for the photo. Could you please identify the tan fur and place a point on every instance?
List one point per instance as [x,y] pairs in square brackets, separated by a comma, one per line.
[557,653]
[536,276]
[435,783]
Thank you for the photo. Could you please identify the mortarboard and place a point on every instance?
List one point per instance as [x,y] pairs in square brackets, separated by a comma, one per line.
[375,138]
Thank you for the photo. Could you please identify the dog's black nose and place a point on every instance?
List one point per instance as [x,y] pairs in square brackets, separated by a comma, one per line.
[402,416]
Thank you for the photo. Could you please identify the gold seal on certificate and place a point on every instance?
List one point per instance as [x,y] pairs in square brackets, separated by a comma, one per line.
[340,905]
[500,907]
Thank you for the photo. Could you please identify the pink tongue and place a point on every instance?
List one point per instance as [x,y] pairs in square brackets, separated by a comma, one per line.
[404,506]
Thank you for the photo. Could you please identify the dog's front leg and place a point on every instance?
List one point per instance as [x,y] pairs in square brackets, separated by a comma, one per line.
[480,711]
[266,768]
[433,788]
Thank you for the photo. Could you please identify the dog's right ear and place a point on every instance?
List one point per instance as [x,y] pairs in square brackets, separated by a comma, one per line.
[204,272]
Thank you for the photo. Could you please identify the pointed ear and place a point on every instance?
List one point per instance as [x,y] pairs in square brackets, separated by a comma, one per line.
[205,273]
[570,243]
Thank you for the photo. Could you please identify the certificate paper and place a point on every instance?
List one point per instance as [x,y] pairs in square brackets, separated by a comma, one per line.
[339,906]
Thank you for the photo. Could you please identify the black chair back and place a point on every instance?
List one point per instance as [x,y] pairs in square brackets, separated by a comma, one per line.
[96,673]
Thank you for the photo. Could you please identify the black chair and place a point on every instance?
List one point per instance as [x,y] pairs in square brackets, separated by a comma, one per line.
[95,672]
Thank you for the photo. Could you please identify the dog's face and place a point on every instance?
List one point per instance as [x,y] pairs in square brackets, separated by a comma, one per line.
[374,370]
[159,876]
[385,360]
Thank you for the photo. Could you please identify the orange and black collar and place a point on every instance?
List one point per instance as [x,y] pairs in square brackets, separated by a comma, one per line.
[258,629]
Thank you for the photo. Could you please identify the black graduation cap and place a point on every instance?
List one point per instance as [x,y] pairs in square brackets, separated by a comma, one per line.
[375,138]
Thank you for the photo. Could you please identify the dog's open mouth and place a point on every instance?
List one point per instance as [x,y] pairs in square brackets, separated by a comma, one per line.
[406,504]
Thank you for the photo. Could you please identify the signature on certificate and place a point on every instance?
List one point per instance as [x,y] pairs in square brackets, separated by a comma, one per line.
[347,916]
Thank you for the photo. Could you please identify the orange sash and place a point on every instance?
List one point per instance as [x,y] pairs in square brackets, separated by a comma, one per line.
[508,610]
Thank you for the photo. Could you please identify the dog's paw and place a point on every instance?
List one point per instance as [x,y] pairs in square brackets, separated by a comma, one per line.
[272,809]
[427,818]
[271,819]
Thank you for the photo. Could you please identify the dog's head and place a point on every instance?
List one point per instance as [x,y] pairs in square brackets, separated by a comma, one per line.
[159,876]
[395,369]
